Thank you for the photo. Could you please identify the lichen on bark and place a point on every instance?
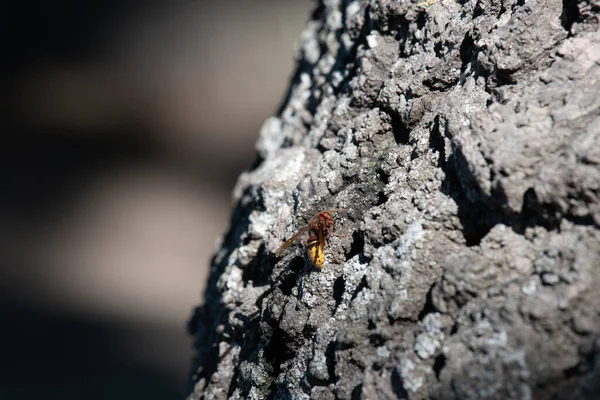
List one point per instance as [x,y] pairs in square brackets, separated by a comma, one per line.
[463,139]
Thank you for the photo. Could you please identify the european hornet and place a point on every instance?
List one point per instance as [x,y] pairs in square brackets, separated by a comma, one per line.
[319,228]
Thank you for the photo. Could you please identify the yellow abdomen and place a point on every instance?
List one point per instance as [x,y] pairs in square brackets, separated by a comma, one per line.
[316,252]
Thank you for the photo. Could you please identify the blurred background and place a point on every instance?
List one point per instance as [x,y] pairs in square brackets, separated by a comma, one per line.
[125,126]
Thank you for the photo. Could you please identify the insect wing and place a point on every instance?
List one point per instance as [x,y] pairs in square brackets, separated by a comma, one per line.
[291,240]
[321,235]
[320,256]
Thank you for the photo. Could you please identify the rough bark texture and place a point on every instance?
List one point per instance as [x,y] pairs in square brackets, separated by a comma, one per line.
[464,141]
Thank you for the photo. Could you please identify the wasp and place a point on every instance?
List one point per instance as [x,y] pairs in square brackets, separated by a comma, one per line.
[319,228]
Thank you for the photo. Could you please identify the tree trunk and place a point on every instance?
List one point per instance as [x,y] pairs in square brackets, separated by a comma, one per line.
[463,143]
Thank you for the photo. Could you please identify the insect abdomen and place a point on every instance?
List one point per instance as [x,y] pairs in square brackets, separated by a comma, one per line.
[315,251]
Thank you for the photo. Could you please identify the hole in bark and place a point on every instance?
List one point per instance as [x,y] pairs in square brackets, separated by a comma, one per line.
[478,11]
[383,176]
[277,351]
[421,20]
[376,340]
[454,329]
[289,280]
[322,149]
[437,142]
[399,129]
[357,246]
[502,10]
[439,363]
[259,269]
[313,381]
[309,331]
[338,290]
[357,392]
[350,180]
[330,361]
[428,307]
[505,77]
[381,198]
[439,49]
[414,154]
[533,213]
[398,385]
[466,51]
[570,14]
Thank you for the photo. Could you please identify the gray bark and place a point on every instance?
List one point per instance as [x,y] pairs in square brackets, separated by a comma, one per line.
[464,141]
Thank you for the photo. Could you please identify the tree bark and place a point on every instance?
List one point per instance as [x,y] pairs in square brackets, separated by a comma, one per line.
[464,142]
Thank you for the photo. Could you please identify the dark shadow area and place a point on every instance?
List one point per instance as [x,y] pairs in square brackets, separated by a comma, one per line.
[49,355]
[43,170]
[399,128]
[428,307]
[569,15]
[65,30]
[398,385]
[475,216]
[466,51]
